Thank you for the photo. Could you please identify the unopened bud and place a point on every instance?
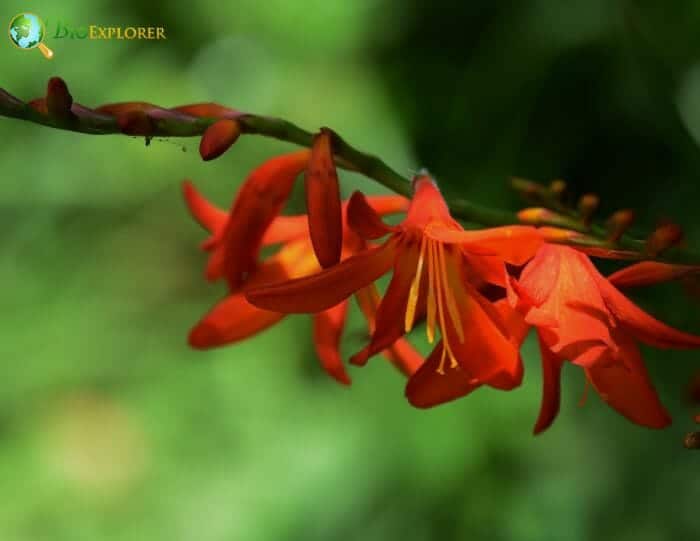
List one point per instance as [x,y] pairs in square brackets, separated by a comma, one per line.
[136,123]
[532,191]
[218,138]
[39,105]
[557,187]
[663,238]
[587,206]
[207,110]
[692,440]
[122,108]
[543,216]
[619,223]
[58,99]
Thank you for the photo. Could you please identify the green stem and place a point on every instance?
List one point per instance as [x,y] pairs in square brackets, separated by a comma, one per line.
[167,123]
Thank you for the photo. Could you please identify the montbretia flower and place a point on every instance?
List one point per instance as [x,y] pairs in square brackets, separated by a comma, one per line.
[233,319]
[581,317]
[430,254]
[261,199]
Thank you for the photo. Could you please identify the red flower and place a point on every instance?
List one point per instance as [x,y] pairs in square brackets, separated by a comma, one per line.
[581,317]
[233,318]
[430,254]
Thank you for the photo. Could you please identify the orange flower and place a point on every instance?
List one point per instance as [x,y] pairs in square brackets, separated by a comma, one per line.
[430,254]
[581,317]
[233,318]
[261,199]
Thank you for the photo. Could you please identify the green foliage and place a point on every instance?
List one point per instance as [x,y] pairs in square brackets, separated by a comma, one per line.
[111,428]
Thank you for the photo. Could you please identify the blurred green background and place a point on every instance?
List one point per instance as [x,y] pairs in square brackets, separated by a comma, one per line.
[111,428]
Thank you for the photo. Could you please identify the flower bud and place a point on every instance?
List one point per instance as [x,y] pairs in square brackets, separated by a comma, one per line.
[58,99]
[557,187]
[218,138]
[618,223]
[136,123]
[587,206]
[663,238]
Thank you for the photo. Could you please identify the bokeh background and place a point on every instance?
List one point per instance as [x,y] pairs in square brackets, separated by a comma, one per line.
[111,428]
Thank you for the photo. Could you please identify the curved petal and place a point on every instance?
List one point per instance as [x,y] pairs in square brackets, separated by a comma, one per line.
[624,384]
[258,202]
[388,204]
[320,291]
[428,388]
[515,244]
[364,220]
[551,387]
[644,327]
[390,321]
[484,269]
[485,350]
[207,215]
[229,321]
[649,272]
[323,201]
[285,229]
[540,276]
[404,357]
[328,330]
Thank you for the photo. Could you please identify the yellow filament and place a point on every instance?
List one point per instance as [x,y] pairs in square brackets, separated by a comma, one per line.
[449,299]
[447,351]
[415,290]
[430,328]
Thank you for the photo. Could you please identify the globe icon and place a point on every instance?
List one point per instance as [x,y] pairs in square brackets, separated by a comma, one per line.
[27,32]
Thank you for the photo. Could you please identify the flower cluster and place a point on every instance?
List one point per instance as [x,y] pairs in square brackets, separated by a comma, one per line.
[479,292]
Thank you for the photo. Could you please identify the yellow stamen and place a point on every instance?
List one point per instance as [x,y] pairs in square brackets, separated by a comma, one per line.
[449,298]
[447,351]
[430,328]
[415,290]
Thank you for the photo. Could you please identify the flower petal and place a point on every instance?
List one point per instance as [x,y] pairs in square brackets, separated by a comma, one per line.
[649,272]
[364,220]
[390,321]
[515,244]
[229,321]
[404,357]
[323,201]
[258,202]
[285,229]
[645,328]
[328,329]
[551,387]
[388,204]
[207,215]
[320,291]
[625,385]
[428,388]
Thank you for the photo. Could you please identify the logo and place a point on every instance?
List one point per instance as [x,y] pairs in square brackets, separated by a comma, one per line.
[27,32]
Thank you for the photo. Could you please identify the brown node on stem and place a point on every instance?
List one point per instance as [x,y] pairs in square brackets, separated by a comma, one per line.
[619,223]
[664,237]
[587,206]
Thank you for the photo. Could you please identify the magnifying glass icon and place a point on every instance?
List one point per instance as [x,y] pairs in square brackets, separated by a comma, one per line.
[27,32]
